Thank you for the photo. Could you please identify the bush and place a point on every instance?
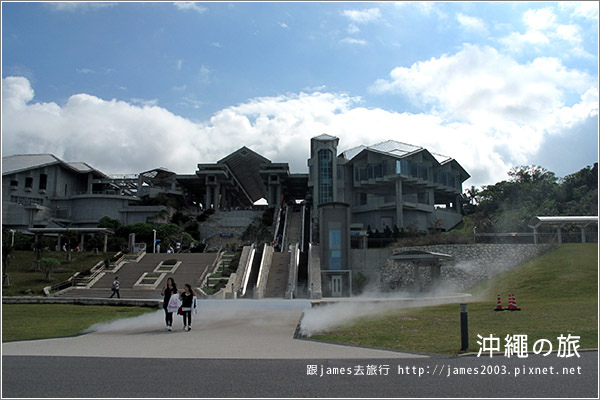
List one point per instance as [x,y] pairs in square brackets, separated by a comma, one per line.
[170,261]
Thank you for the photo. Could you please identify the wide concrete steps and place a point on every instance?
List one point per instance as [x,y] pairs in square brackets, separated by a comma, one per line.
[191,268]
[278,275]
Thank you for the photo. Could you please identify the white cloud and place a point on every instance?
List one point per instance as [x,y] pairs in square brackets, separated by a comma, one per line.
[82,6]
[216,44]
[362,16]
[101,132]
[581,9]
[190,6]
[352,29]
[144,102]
[472,23]
[491,96]
[349,40]
[282,24]
[179,64]
[544,31]
[84,70]
[204,75]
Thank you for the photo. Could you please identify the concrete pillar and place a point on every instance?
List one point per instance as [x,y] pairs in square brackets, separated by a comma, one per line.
[208,200]
[559,234]
[535,239]
[399,202]
[58,243]
[583,234]
[216,191]
[278,191]
[89,184]
[82,241]
[105,243]
[416,277]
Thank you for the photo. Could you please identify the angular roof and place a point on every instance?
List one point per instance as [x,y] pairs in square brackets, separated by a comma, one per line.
[245,165]
[391,147]
[23,162]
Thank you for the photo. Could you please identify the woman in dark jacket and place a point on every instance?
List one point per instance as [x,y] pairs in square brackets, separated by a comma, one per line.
[167,292]
[187,304]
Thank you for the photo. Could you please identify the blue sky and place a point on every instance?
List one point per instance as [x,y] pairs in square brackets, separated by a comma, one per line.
[128,87]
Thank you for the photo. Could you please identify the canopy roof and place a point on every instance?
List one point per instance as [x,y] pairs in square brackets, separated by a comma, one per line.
[536,222]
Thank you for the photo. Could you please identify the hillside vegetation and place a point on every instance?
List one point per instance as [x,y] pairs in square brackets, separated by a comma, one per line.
[557,294]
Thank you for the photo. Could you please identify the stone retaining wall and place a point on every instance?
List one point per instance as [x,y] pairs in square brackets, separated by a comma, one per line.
[472,264]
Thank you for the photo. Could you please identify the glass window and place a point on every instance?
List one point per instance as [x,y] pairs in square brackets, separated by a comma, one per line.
[335,249]
[325,176]
[29,182]
[43,181]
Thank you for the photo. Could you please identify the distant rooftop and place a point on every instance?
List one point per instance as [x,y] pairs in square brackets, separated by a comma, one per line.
[394,148]
[23,162]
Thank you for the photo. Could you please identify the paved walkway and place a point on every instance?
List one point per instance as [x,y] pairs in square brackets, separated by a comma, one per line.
[222,329]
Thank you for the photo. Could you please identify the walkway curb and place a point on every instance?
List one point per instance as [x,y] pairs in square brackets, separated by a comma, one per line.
[83,301]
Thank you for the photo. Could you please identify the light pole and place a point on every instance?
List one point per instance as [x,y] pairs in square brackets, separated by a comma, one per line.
[154,243]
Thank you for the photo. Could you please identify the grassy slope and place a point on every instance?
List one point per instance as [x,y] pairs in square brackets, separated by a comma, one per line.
[40,321]
[557,292]
[23,276]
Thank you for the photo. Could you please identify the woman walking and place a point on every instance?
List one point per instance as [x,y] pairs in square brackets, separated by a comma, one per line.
[187,304]
[169,302]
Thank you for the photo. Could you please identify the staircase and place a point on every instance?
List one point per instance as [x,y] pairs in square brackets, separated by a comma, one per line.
[189,271]
[278,275]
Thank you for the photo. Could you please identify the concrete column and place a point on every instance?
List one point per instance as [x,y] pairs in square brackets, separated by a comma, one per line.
[278,191]
[399,202]
[535,239]
[89,185]
[208,198]
[59,242]
[82,241]
[559,234]
[582,234]
[216,191]
[457,204]
[105,243]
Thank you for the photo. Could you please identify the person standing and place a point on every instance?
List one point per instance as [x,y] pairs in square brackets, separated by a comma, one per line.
[187,304]
[115,288]
[170,302]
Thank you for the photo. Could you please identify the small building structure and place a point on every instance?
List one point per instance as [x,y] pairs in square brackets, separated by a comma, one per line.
[561,222]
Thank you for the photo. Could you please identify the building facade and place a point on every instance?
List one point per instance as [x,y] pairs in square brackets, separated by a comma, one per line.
[389,184]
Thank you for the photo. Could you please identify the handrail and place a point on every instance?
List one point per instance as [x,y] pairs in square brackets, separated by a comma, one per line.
[278,211]
[293,272]
[247,270]
[285,229]
[202,277]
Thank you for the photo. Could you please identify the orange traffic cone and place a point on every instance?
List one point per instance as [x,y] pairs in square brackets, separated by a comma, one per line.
[512,303]
[499,304]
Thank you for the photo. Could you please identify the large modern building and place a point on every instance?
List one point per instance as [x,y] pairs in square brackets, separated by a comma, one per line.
[42,191]
[387,184]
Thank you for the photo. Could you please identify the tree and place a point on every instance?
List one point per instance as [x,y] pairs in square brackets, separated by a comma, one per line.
[7,250]
[48,265]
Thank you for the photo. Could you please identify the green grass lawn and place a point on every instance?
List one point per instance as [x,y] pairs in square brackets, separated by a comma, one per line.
[41,321]
[23,275]
[557,292]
